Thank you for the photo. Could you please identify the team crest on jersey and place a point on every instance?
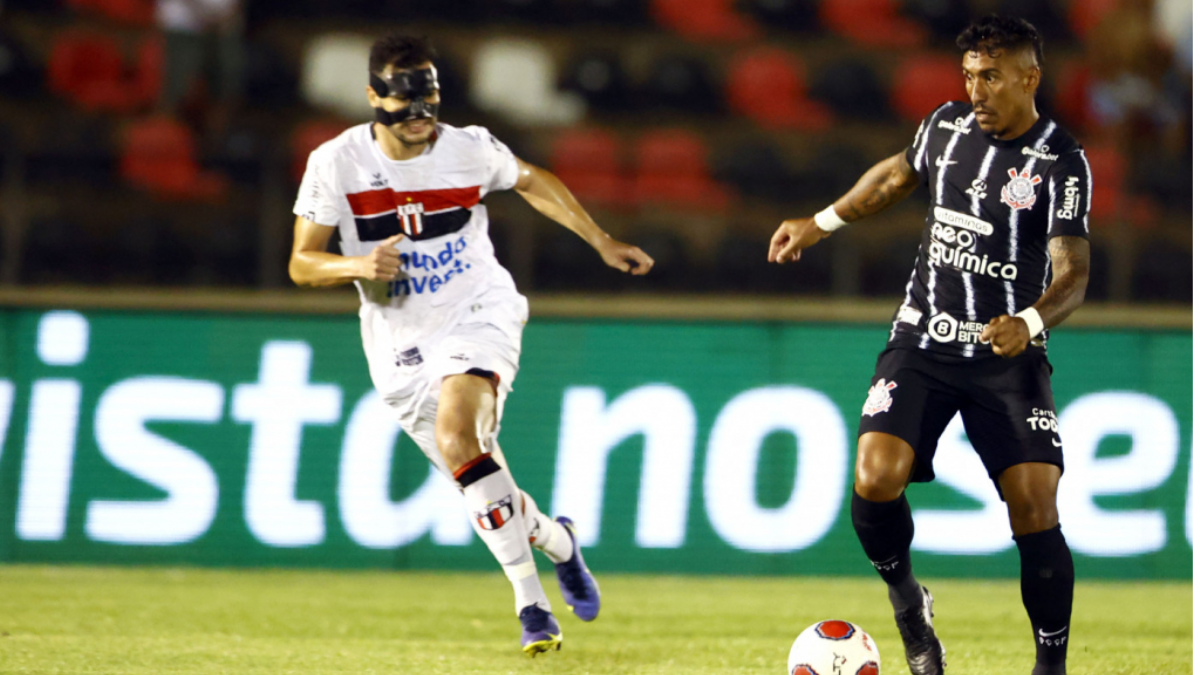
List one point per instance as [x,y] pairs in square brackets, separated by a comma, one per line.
[1020,193]
[412,218]
[879,398]
[495,514]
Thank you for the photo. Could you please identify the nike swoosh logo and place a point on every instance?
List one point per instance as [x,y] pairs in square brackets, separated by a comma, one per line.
[1045,634]
[1055,442]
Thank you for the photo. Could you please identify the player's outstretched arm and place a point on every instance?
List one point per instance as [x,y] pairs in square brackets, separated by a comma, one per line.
[1070,259]
[312,265]
[546,193]
[882,185]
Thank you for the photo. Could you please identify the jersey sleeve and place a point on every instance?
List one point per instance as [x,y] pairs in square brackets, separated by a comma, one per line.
[501,163]
[317,199]
[1071,196]
[916,152]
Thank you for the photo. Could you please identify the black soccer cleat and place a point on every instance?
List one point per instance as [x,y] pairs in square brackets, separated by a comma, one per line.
[922,649]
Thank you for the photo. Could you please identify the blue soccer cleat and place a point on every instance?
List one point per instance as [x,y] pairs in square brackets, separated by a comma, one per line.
[575,580]
[539,631]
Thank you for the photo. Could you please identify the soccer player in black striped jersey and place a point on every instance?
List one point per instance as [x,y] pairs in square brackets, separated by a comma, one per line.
[1004,256]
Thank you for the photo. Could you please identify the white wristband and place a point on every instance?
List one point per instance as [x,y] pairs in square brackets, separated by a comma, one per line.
[829,220]
[1033,320]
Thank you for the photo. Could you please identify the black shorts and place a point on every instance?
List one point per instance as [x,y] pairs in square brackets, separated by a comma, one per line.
[1006,404]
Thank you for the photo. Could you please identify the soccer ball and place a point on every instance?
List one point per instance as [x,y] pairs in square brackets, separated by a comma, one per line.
[833,648]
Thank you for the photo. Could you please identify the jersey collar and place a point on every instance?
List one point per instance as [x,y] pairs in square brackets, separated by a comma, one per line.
[1024,139]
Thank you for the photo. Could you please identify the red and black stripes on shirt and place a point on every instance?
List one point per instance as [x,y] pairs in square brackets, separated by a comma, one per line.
[420,214]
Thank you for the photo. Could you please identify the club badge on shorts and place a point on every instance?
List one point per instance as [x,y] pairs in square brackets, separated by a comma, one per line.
[1020,192]
[879,398]
[496,514]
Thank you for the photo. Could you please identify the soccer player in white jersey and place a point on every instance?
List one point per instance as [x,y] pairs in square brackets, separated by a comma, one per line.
[441,319]
[1004,257]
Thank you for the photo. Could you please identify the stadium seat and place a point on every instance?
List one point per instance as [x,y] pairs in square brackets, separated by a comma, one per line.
[20,75]
[682,83]
[944,19]
[1071,97]
[873,23]
[516,79]
[588,162]
[738,267]
[132,12]
[768,86]
[1109,172]
[831,169]
[159,155]
[323,78]
[672,170]
[757,168]
[923,82]
[852,88]
[306,138]
[521,11]
[1163,272]
[599,78]
[1084,15]
[621,12]
[704,20]
[148,71]
[797,15]
[87,69]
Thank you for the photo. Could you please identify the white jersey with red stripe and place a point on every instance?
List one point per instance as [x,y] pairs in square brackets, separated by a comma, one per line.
[448,264]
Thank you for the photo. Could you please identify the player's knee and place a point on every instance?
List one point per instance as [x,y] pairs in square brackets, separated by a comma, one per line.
[457,445]
[878,486]
[882,468]
[1028,515]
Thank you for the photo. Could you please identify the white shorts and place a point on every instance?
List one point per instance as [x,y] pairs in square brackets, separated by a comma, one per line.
[485,336]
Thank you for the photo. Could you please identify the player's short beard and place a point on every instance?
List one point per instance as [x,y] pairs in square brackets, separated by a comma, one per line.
[414,144]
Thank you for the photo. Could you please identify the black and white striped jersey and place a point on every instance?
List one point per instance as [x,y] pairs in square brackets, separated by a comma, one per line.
[994,205]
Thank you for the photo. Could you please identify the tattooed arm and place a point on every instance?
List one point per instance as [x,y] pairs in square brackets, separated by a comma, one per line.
[884,184]
[1070,258]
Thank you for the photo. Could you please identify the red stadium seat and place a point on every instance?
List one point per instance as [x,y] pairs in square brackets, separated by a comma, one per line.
[769,86]
[1109,170]
[133,12]
[1084,15]
[306,138]
[588,162]
[87,68]
[672,170]
[705,20]
[922,83]
[874,23]
[159,155]
[148,70]
[1071,97]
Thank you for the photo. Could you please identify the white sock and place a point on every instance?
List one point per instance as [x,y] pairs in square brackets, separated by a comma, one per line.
[493,505]
[546,534]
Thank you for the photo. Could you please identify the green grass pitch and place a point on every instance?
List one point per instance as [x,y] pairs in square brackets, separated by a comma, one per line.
[183,621]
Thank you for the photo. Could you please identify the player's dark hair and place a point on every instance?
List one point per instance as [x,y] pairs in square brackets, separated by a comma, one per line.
[994,32]
[400,51]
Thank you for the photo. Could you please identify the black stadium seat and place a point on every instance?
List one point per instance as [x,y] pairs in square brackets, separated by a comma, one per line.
[795,15]
[600,79]
[852,87]
[683,83]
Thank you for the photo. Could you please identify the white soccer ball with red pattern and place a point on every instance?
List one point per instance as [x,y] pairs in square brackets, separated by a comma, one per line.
[833,648]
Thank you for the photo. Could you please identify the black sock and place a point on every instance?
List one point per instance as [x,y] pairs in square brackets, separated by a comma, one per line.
[1047,587]
[885,530]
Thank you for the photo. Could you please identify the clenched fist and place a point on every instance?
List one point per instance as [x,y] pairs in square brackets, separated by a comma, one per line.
[383,262]
[1008,335]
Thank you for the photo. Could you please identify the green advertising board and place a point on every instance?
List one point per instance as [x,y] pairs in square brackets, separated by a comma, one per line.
[683,447]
